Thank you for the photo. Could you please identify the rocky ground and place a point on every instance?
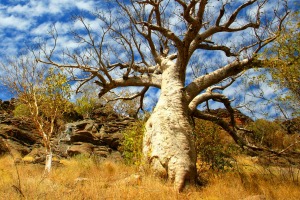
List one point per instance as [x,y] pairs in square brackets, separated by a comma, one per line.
[99,136]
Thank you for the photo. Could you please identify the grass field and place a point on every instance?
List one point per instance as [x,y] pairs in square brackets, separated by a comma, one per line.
[87,178]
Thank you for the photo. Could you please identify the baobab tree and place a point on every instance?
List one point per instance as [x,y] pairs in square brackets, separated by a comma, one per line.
[156,44]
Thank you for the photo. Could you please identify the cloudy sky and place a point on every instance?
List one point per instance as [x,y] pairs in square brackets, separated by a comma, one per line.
[24,21]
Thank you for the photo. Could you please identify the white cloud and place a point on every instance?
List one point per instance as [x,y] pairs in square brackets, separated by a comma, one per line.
[11,21]
[44,28]
[31,9]
[86,5]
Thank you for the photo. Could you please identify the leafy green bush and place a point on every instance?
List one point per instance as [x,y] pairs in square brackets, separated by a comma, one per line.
[132,144]
[85,105]
[21,110]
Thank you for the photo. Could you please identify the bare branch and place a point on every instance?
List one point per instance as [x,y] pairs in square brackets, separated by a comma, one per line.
[225,49]
[201,83]
[222,11]
[140,94]
[223,124]
[232,18]
[144,80]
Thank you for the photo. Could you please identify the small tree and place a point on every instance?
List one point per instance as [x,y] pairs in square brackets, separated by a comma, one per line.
[42,93]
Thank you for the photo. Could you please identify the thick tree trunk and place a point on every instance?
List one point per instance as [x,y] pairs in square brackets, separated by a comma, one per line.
[168,145]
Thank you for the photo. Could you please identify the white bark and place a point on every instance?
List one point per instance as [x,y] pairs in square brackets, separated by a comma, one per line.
[48,163]
[168,145]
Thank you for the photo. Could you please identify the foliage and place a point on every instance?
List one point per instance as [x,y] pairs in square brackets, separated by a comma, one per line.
[267,133]
[21,110]
[46,102]
[271,134]
[284,60]
[210,148]
[55,94]
[131,146]
[85,106]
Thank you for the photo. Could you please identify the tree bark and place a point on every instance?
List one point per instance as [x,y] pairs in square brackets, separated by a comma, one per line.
[168,145]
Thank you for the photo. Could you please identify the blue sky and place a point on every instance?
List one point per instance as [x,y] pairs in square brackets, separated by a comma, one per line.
[25,21]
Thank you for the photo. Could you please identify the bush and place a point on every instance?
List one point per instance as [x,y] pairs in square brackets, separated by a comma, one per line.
[209,147]
[267,133]
[132,144]
[84,106]
[21,110]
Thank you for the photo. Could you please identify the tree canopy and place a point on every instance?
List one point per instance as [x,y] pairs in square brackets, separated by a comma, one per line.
[284,59]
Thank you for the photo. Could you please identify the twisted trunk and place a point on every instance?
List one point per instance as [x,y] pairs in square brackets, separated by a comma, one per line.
[168,144]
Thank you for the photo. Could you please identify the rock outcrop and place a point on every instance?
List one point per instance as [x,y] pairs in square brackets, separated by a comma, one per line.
[16,134]
[93,137]
[100,136]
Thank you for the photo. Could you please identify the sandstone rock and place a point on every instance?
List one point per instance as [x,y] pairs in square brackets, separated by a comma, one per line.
[18,149]
[240,118]
[83,148]
[116,156]
[99,136]
[37,155]
[3,147]
[20,135]
[84,136]
[104,154]
[112,140]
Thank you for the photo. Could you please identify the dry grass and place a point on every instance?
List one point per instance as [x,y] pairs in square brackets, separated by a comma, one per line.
[84,178]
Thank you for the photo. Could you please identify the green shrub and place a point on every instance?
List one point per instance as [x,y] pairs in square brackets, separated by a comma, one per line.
[21,110]
[132,144]
[84,105]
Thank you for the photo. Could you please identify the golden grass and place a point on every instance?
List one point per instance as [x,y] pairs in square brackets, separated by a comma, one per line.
[85,178]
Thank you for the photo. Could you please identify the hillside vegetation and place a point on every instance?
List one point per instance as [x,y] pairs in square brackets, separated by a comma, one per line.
[224,170]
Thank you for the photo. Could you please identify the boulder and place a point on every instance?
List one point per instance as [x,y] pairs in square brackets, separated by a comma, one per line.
[3,147]
[84,136]
[112,140]
[21,136]
[16,148]
[102,151]
[17,136]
